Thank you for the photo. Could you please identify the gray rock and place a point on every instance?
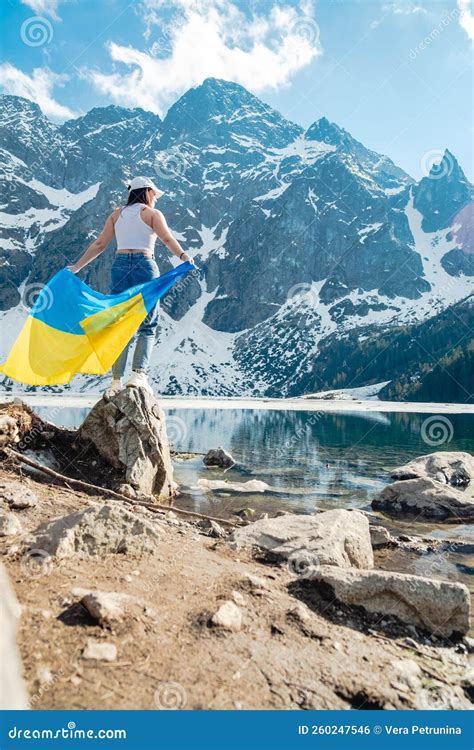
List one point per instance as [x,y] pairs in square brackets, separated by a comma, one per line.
[13,695]
[9,524]
[213,528]
[9,432]
[228,616]
[381,537]
[255,584]
[218,457]
[425,498]
[448,467]
[441,607]
[95,531]
[17,495]
[100,651]
[129,431]
[335,537]
[107,607]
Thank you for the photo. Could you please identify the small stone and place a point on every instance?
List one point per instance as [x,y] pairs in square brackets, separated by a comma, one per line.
[255,584]
[469,644]
[9,432]
[228,616]
[44,675]
[407,672]
[17,495]
[300,613]
[213,528]
[107,607]
[9,524]
[75,680]
[100,651]
[380,537]
[218,457]
[238,598]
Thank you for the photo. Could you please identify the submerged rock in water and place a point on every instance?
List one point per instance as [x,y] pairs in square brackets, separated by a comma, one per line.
[425,498]
[448,467]
[335,537]
[129,431]
[218,457]
[253,485]
[441,607]
[94,531]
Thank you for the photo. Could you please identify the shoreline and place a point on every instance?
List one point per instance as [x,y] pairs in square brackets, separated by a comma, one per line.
[80,400]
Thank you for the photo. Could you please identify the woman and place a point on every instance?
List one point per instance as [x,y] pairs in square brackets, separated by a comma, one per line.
[135,228]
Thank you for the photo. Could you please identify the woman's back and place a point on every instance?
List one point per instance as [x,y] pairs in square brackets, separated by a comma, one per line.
[131,232]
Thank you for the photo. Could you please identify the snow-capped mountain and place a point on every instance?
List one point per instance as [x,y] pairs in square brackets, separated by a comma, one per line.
[304,238]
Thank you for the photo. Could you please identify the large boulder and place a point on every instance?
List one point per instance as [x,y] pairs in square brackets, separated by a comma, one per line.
[335,537]
[440,607]
[129,431]
[13,695]
[448,467]
[425,498]
[94,531]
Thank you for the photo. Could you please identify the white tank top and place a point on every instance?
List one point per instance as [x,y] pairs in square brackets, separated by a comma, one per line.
[131,232]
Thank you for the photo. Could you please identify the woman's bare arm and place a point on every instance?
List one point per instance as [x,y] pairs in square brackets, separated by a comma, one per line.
[97,247]
[162,230]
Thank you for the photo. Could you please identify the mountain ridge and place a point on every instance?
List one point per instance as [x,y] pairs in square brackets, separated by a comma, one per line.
[300,238]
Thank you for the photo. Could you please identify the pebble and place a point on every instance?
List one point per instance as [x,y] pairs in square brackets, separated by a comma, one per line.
[100,651]
[228,616]
[238,598]
[9,524]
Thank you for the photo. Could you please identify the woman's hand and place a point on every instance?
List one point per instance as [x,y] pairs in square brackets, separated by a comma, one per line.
[185,257]
[73,268]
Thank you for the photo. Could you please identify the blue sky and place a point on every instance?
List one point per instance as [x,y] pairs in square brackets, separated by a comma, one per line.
[396,74]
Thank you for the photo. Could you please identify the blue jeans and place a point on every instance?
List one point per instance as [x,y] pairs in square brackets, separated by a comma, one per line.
[128,270]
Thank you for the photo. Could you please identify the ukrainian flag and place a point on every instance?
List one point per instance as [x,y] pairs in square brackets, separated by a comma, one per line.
[73,329]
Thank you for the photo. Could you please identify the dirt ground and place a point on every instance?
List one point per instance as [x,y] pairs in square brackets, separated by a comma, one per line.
[295,649]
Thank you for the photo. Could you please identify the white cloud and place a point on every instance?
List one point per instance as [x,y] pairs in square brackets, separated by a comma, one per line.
[38,88]
[209,38]
[405,8]
[44,7]
[466,19]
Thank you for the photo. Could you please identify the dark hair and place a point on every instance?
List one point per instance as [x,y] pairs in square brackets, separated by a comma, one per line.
[140,195]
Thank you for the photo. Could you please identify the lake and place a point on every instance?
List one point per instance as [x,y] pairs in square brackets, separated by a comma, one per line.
[304,461]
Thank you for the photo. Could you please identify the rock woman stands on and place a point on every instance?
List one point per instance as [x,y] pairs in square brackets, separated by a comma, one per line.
[135,228]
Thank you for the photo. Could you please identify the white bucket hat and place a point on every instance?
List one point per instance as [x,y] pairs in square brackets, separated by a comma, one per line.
[144,182]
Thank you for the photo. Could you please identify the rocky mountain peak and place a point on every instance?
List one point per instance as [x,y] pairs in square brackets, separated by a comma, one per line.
[442,193]
[217,109]
[17,106]
[326,132]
